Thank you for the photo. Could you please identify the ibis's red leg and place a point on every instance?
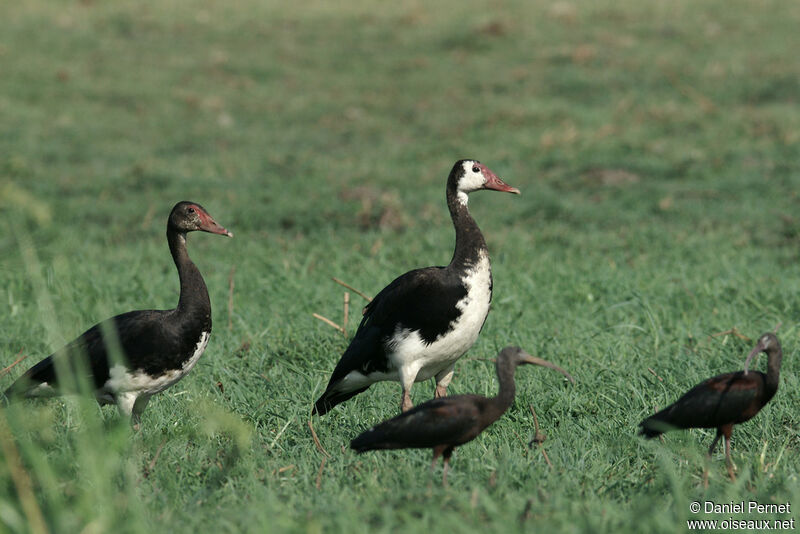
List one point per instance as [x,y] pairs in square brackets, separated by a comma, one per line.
[714,443]
[437,451]
[710,452]
[727,430]
[447,453]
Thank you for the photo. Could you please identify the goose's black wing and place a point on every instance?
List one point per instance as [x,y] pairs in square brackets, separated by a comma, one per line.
[423,300]
[135,339]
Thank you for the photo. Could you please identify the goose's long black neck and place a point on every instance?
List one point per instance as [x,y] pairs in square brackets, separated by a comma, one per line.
[194,304]
[469,240]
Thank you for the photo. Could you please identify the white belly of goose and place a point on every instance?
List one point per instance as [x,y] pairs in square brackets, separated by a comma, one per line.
[412,352]
[122,380]
[411,356]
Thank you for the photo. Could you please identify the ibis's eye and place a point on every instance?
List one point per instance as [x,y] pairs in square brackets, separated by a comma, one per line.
[476,169]
[191,210]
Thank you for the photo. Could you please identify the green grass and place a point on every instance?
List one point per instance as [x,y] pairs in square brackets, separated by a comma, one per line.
[656,145]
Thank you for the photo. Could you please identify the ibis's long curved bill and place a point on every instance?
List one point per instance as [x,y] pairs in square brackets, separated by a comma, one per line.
[533,360]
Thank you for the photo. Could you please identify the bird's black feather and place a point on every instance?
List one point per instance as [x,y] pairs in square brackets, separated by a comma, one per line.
[146,340]
[448,420]
[722,399]
[422,300]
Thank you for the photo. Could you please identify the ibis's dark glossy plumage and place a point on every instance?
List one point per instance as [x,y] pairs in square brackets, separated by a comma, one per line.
[420,324]
[129,357]
[723,401]
[444,423]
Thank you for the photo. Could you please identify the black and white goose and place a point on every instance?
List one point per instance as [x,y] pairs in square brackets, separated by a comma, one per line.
[135,355]
[420,324]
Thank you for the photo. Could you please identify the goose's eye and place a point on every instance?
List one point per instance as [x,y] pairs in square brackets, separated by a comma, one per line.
[476,169]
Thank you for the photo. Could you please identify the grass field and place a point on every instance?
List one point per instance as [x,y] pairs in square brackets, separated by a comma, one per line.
[657,147]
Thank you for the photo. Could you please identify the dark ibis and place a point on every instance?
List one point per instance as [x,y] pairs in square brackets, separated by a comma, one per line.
[420,324]
[447,422]
[130,357]
[723,401]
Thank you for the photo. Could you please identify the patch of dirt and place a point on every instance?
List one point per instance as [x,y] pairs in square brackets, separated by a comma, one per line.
[610,177]
[379,209]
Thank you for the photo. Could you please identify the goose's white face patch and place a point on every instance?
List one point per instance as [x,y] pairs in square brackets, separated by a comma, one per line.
[471,181]
[122,380]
